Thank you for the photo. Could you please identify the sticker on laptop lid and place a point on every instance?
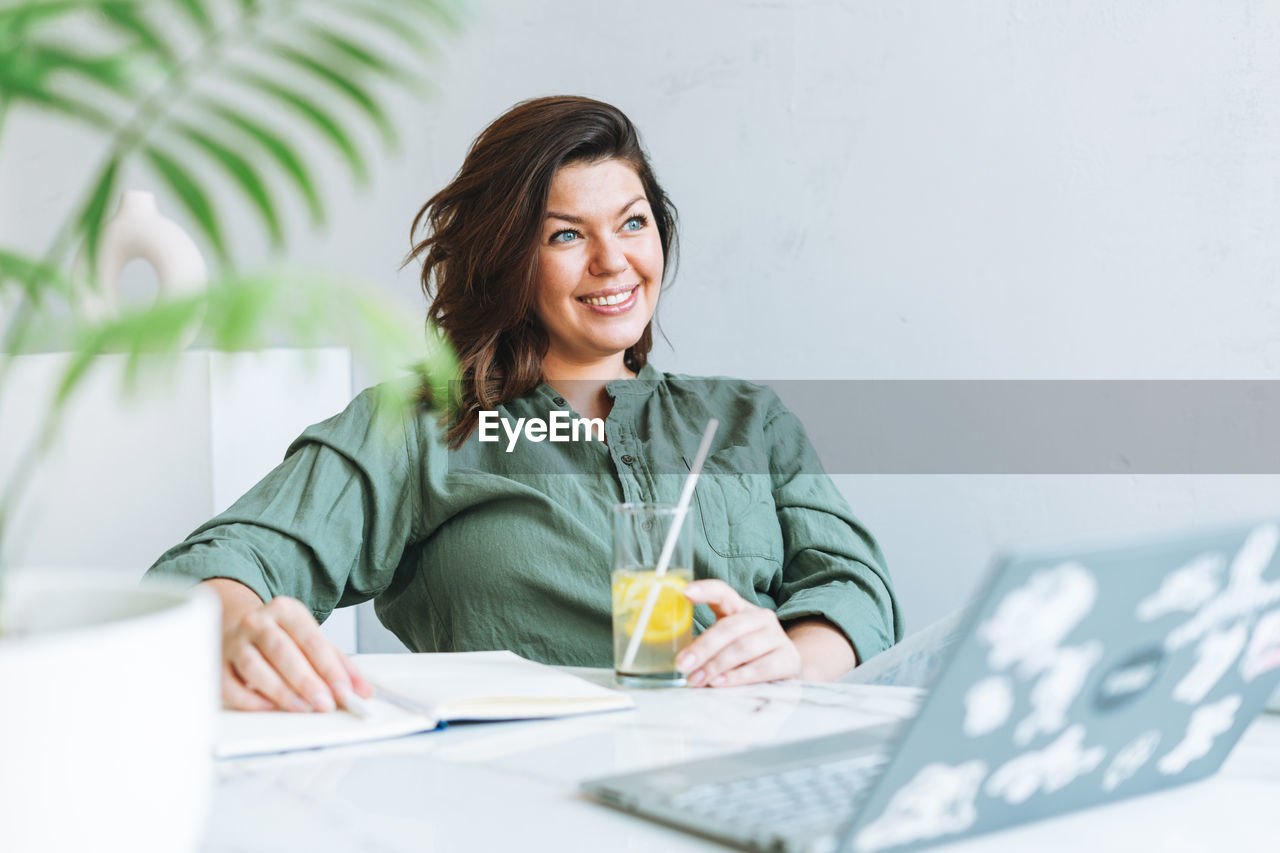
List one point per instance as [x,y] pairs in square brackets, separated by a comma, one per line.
[1056,690]
[1215,654]
[1186,589]
[1045,770]
[1130,759]
[1263,654]
[1030,623]
[1207,723]
[987,705]
[938,801]
[1245,594]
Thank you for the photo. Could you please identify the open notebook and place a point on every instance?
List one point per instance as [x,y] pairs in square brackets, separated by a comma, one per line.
[419,692]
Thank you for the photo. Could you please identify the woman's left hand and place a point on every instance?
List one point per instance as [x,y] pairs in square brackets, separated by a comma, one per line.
[747,644]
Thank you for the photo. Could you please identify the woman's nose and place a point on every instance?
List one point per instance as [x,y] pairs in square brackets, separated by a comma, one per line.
[608,258]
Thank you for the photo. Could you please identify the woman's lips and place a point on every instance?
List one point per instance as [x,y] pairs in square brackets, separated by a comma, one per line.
[628,297]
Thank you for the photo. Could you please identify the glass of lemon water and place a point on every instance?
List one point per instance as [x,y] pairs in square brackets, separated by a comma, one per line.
[639,531]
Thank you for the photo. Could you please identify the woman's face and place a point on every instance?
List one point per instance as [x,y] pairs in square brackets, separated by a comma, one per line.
[599,262]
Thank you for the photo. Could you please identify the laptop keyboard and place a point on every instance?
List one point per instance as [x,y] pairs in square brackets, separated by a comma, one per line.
[818,796]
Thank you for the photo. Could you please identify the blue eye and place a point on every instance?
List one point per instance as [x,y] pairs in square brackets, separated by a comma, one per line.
[635,223]
[564,236]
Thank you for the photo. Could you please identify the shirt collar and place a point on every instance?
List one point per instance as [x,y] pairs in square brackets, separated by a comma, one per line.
[642,386]
[638,388]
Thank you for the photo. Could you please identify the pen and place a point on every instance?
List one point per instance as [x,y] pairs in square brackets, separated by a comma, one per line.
[354,705]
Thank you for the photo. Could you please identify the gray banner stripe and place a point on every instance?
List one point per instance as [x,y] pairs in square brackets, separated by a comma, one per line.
[1040,427]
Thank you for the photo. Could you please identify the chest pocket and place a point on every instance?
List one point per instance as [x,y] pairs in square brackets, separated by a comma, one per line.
[735,500]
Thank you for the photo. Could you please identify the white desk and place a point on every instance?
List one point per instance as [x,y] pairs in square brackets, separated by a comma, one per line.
[513,786]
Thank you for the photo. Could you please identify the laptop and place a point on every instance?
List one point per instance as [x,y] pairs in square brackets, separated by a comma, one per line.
[1079,678]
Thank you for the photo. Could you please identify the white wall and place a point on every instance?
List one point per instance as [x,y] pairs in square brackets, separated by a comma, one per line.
[878,190]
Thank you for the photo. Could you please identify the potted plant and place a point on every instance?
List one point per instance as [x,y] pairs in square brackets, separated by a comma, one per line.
[110,689]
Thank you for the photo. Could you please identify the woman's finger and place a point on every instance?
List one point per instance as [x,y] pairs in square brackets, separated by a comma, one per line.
[237,697]
[358,682]
[745,648]
[723,599]
[255,672]
[782,662]
[713,640]
[324,658]
[280,650]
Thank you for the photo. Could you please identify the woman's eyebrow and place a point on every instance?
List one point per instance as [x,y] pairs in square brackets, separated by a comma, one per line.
[577,220]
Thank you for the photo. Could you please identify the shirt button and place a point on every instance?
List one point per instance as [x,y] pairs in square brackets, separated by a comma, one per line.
[559,401]
[627,459]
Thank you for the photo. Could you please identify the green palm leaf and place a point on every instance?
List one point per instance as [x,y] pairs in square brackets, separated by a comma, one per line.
[244,175]
[90,221]
[21,17]
[318,118]
[239,310]
[441,12]
[157,328]
[127,17]
[275,145]
[37,278]
[198,15]
[341,83]
[34,93]
[192,197]
[134,68]
[388,21]
[349,51]
[352,51]
[41,64]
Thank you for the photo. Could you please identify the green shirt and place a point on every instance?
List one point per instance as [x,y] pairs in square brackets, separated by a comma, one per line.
[481,548]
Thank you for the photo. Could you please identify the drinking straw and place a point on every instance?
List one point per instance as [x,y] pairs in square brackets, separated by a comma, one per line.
[669,546]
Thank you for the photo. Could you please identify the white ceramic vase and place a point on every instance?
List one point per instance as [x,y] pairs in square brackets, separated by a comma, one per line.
[138,230]
[108,702]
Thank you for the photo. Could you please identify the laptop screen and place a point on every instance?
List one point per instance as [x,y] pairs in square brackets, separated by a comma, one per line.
[1084,677]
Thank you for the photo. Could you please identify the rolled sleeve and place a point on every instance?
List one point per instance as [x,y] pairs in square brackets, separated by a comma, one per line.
[328,526]
[832,567]
[207,555]
[851,607]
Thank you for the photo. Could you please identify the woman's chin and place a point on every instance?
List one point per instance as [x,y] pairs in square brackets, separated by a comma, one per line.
[594,351]
[616,341]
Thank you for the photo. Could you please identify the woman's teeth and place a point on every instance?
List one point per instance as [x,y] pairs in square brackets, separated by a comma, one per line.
[614,299]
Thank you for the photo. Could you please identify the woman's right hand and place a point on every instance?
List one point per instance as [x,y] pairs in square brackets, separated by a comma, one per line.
[274,655]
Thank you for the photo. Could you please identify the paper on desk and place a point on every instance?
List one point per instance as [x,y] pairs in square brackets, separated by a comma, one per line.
[262,732]
[914,662]
[414,693]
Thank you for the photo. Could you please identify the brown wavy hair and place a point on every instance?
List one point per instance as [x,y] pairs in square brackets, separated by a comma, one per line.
[480,252]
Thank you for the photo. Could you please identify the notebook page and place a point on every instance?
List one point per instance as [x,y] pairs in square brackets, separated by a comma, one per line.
[494,685]
[261,732]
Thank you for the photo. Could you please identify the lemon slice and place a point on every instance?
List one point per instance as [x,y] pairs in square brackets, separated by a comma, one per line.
[672,613]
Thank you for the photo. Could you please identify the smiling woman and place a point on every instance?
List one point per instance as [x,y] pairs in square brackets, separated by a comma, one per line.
[544,256]
[544,260]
